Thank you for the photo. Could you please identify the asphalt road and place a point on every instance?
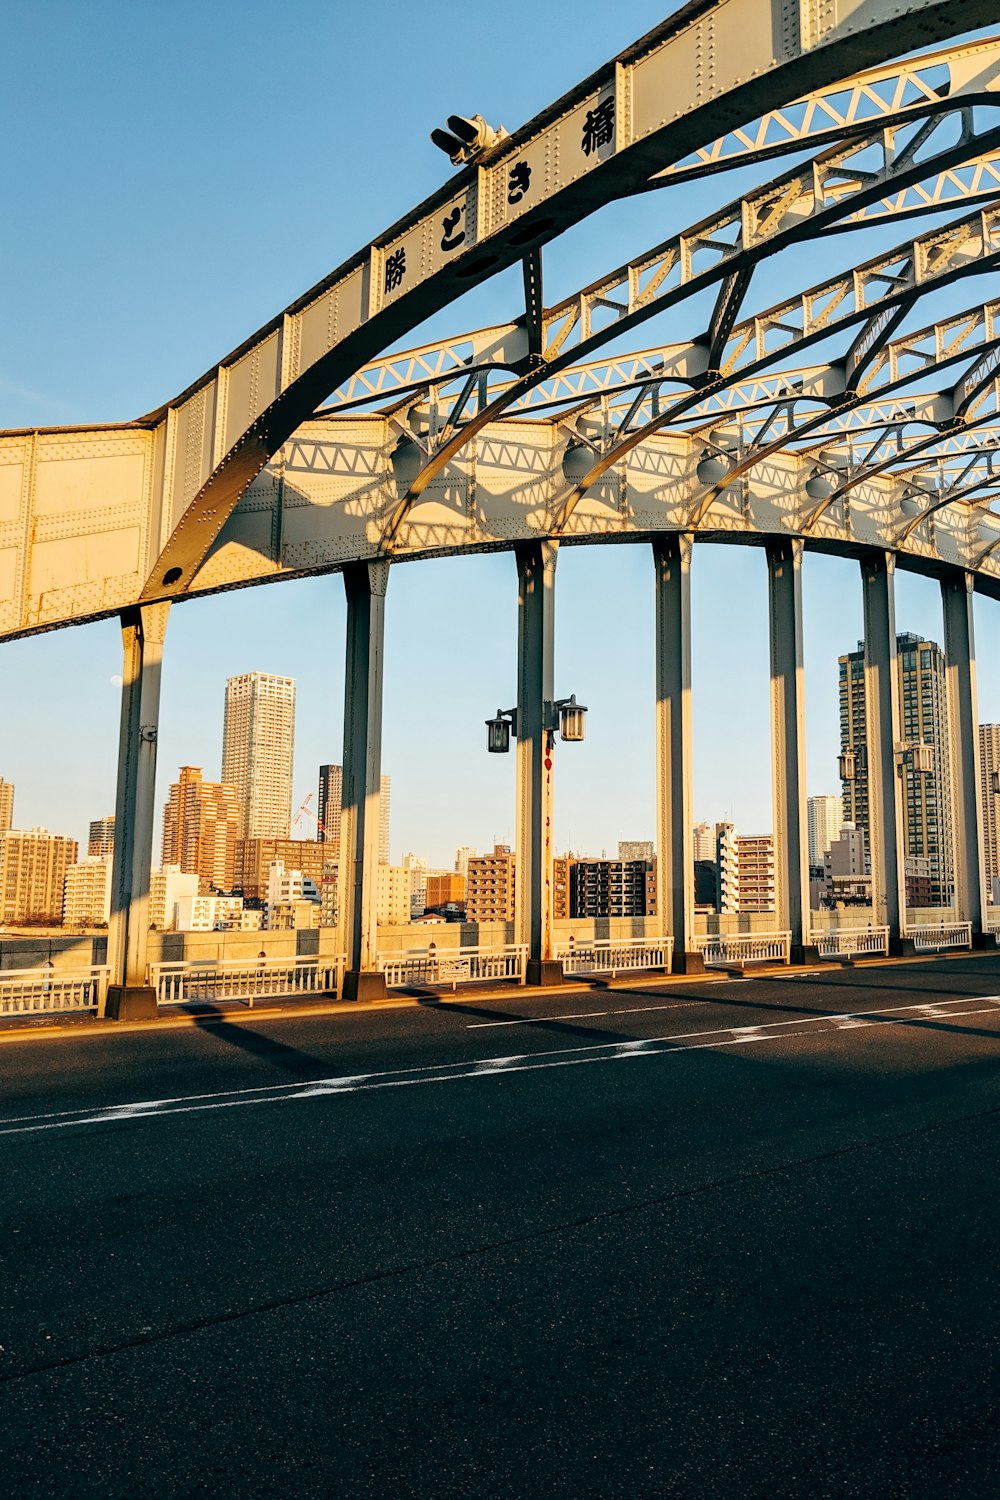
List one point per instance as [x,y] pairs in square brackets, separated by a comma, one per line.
[735,1239]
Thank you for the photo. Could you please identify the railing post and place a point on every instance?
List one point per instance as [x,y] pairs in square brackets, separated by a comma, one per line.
[365,584]
[130,997]
[963,721]
[674,784]
[536,574]
[788,741]
[882,733]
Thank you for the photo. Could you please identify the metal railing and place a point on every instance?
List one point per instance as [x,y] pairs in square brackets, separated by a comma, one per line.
[931,938]
[610,955]
[454,966]
[245,980]
[844,942]
[47,990]
[745,947]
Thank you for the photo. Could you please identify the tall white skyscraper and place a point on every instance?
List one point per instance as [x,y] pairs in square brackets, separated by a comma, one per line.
[385,792]
[826,819]
[258,746]
[989,800]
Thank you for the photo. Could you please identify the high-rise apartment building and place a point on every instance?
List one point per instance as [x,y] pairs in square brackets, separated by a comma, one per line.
[703,839]
[258,745]
[87,892]
[826,818]
[101,838]
[384,799]
[330,802]
[989,801]
[462,856]
[923,707]
[33,865]
[201,828]
[254,858]
[489,887]
[331,791]
[755,872]
[6,805]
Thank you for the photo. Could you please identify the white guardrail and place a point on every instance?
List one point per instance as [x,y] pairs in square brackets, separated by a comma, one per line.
[245,980]
[454,966]
[745,947]
[845,942]
[930,939]
[47,990]
[610,956]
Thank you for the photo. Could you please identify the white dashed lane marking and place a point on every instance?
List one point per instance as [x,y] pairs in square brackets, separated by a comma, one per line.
[491,1067]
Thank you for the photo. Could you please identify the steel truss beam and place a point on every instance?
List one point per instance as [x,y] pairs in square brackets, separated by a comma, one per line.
[607,138]
[831,192]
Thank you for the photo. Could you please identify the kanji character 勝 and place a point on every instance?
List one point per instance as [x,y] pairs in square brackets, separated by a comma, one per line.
[395,269]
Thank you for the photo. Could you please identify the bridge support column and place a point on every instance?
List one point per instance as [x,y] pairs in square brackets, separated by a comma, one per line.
[674,782]
[882,730]
[963,722]
[788,742]
[365,584]
[130,996]
[536,619]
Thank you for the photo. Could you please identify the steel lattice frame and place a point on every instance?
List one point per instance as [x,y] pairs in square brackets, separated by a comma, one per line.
[523,430]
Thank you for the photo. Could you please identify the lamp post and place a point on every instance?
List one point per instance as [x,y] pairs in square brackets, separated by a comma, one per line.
[565,717]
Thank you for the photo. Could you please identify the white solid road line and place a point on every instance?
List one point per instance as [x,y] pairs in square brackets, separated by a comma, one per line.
[585,1015]
[730,1036]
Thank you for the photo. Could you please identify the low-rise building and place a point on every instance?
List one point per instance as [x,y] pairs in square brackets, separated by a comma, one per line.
[167,886]
[215,914]
[444,888]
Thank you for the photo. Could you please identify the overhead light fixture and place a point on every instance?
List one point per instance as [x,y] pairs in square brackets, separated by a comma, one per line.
[466,138]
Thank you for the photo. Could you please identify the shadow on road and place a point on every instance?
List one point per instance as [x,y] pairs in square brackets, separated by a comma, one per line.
[544,1023]
[288,1059]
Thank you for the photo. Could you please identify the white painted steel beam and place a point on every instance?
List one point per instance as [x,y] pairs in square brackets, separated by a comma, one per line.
[674,775]
[365,585]
[883,734]
[788,740]
[963,718]
[143,632]
[536,623]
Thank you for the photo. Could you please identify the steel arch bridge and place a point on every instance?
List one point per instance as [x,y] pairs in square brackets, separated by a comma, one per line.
[859,415]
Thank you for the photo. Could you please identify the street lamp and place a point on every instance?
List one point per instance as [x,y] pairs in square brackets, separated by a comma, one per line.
[498,731]
[564,715]
[571,718]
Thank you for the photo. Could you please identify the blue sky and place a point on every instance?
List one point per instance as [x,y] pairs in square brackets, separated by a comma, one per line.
[176,175]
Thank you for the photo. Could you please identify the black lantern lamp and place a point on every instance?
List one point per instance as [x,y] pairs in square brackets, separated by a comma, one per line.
[571,718]
[498,731]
